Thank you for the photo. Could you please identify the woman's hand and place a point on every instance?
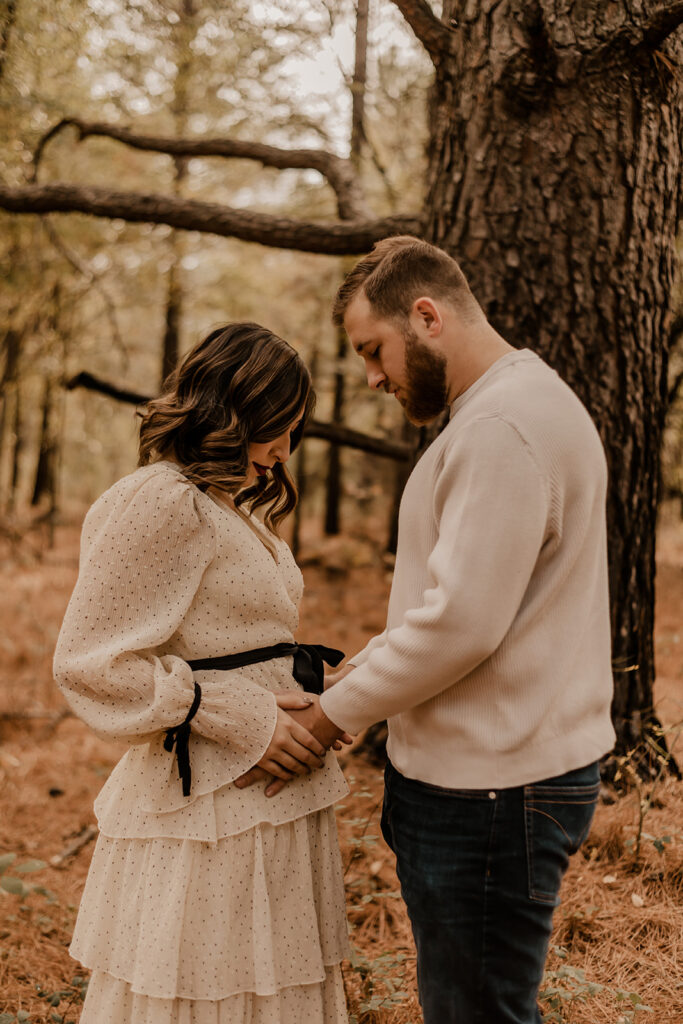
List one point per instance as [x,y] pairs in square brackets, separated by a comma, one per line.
[291,700]
[293,750]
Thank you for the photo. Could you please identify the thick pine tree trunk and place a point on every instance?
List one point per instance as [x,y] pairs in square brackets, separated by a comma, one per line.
[555,181]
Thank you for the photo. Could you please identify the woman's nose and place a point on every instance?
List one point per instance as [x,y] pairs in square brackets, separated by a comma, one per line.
[282,448]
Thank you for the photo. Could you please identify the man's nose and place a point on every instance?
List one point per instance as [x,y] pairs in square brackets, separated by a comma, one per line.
[376,378]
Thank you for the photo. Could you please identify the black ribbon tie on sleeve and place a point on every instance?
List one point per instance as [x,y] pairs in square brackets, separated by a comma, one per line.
[307,669]
[179,737]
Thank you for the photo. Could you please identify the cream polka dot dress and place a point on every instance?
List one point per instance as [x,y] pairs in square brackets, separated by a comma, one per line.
[222,907]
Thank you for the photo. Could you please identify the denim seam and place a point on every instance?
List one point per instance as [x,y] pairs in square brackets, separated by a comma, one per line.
[529,840]
[485,928]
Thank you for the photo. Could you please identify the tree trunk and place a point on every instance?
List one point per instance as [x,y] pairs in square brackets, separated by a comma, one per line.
[334,469]
[410,435]
[174,298]
[555,181]
[7,19]
[44,481]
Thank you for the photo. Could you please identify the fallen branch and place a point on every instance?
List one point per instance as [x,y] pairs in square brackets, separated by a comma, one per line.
[85,836]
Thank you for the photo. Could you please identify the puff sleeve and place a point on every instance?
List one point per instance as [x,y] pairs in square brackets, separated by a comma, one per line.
[145,549]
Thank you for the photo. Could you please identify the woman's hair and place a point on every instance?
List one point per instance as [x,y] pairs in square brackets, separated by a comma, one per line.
[241,384]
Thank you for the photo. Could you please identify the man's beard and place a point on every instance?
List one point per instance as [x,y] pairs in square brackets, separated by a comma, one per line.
[425,394]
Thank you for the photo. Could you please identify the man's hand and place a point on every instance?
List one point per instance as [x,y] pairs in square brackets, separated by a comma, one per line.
[307,713]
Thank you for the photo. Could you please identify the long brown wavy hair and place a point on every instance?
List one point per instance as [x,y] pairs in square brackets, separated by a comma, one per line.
[241,384]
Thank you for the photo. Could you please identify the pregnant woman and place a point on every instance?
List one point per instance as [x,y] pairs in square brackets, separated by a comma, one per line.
[206,903]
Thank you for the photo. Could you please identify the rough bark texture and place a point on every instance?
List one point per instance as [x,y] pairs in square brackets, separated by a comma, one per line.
[556,181]
[337,238]
[7,19]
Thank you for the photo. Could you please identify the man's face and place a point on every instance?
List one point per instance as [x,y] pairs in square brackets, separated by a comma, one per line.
[398,362]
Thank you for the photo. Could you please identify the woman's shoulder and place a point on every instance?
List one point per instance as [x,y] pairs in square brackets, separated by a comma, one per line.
[155,493]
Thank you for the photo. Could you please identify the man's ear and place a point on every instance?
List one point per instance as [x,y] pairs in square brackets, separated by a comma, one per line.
[426,317]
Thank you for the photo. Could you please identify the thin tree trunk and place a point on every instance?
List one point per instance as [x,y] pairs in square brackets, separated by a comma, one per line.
[174,295]
[402,470]
[17,448]
[334,468]
[7,19]
[44,480]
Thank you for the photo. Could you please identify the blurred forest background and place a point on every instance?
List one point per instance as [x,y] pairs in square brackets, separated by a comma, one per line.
[539,142]
[120,300]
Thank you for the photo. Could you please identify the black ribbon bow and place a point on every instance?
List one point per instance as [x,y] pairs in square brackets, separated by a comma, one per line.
[307,669]
[179,737]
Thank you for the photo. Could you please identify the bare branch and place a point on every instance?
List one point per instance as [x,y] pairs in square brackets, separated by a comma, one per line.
[337,238]
[92,278]
[85,836]
[314,428]
[338,172]
[104,387]
[435,36]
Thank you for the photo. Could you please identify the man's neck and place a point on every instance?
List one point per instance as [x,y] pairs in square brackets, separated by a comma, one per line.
[474,352]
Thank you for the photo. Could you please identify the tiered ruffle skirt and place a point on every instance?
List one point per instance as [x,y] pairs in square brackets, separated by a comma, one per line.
[248,929]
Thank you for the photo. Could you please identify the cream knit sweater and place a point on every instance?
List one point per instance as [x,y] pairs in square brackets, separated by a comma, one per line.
[494,669]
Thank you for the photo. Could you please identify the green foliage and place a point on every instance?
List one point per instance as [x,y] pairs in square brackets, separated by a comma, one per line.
[565,987]
[656,754]
[66,999]
[382,983]
[15,886]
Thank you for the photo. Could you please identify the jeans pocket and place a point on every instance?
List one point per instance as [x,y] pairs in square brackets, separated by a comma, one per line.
[557,820]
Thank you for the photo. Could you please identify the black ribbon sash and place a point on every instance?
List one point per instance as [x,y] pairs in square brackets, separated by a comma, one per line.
[307,669]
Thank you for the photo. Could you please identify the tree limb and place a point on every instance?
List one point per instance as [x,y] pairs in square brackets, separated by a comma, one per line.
[435,36]
[92,278]
[314,428]
[337,238]
[338,172]
[647,34]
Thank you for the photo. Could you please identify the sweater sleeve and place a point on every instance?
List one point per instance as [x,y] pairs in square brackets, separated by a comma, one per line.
[364,654]
[491,506]
[145,549]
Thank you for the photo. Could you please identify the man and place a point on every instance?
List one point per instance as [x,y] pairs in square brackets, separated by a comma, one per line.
[494,668]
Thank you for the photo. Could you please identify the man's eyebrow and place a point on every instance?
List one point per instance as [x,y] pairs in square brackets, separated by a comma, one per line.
[362,344]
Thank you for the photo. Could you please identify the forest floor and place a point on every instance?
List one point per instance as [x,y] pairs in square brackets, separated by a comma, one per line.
[620,925]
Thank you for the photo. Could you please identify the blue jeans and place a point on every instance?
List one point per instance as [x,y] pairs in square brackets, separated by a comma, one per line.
[480,872]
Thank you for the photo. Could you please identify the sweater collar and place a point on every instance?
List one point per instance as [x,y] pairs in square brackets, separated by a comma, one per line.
[511,358]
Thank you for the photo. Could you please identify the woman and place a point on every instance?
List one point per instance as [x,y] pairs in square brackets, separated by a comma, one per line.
[205,903]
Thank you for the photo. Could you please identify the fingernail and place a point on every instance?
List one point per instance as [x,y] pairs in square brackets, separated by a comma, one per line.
[308,700]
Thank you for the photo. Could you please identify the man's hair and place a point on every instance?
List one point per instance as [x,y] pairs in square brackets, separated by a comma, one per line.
[398,271]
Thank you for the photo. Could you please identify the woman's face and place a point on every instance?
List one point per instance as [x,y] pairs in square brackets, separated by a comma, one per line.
[263,455]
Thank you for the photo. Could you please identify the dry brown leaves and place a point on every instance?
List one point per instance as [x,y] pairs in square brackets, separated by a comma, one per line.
[620,922]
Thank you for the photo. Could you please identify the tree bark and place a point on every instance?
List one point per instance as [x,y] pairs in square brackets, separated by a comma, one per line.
[7,19]
[336,238]
[44,480]
[334,467]
[558,191]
